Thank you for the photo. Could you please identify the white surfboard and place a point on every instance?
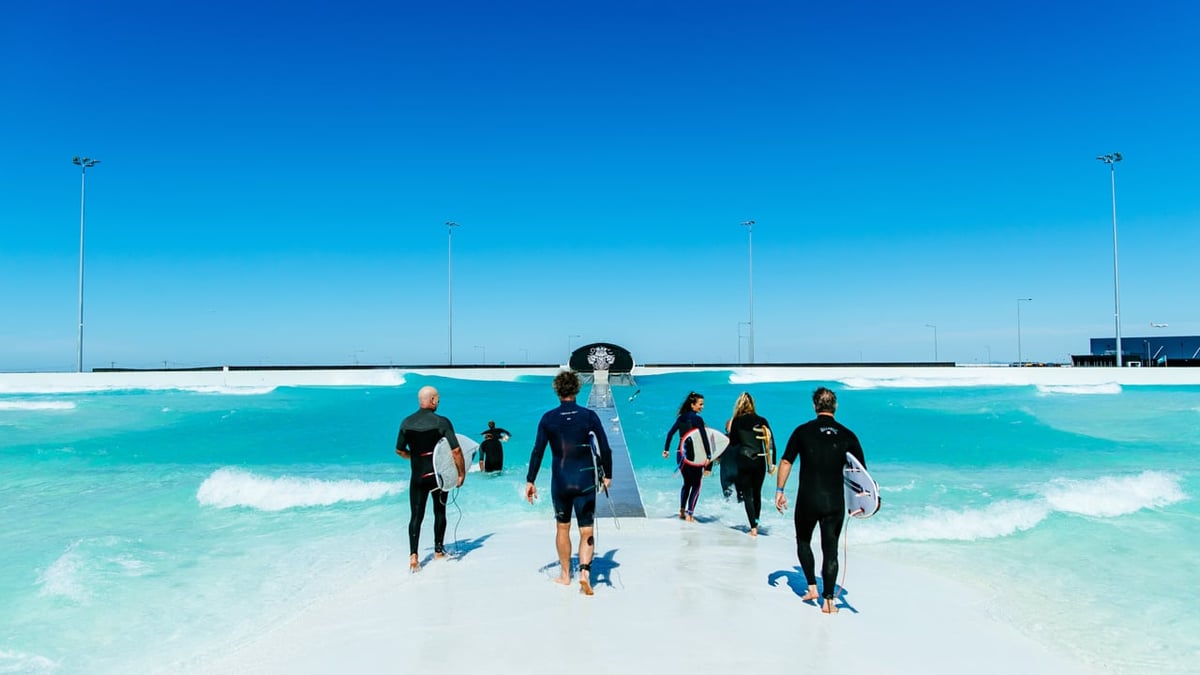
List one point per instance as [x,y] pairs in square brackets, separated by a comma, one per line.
[862,492]
[443,461]
[717,442]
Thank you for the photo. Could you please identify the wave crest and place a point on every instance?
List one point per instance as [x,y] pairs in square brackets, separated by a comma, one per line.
[1105,388]
[19,404]
[229,487]
[1113,496]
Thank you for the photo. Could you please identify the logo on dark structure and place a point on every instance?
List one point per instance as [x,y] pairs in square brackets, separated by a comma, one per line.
[601,358]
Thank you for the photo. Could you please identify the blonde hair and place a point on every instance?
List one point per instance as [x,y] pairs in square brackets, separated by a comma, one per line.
[744,405]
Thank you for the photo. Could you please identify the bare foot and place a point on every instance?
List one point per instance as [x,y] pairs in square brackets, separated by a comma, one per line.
[414,565]
[828,607]
[585,583]
[439,555]
[810,595]
[691,519]
[563,579]
[682,515]
[754,532]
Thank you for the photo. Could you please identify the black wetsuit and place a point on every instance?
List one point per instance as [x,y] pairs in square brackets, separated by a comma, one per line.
[419,434]
[821,446]
[491,450]
[567,430]
[692,475]
[745,451]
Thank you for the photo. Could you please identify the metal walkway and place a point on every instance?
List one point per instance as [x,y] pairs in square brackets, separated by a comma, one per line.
[624,493]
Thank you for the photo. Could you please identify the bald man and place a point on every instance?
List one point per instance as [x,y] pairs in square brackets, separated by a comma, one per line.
[419,434]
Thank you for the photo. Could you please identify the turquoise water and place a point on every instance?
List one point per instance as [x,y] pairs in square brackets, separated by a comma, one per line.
[147,530]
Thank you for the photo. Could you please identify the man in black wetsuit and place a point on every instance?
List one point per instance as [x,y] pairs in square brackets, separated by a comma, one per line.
[491,450]
[568,429]
[821,445]
[419,434]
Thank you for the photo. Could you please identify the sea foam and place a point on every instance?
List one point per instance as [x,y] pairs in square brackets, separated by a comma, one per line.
[24,404]
[19,662]
[230,487]
[1105,388]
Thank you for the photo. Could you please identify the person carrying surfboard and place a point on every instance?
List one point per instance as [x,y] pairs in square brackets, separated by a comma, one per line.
[491,451]
[752,451]
[419,435]
[820,445]
[568,430]
[693,472]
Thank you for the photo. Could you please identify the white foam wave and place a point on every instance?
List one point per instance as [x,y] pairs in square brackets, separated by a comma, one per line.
[229,487]
[1105,497]
[19,404]
[20,662]
[63,578]
[231,390]
[1113,496]
[1105,388]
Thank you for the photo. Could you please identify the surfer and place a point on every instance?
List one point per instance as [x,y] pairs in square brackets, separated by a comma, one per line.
[419,434]
[693,474]
[491,451]
[568,429]
[821,445]
[751,450]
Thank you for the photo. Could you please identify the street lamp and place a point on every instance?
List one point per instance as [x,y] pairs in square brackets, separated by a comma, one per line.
[1111,160]
[84,163]
[740,338]
[1019,301]
[450,225]
[749,225]
[935,355]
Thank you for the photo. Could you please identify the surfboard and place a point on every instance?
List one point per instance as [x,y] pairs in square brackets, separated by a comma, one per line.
[443,461]
[765,436]
[717,442]
[862,492]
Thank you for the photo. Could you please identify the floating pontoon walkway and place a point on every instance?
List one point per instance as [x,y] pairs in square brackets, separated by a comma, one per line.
[624,494]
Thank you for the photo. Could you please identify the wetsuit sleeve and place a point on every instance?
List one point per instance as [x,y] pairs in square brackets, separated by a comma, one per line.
[539,449]
[674,428]
[502,432]
[602,441]
[400,439]
[703,437]
[771,435]
[795,442]
[856,450]
[447,430]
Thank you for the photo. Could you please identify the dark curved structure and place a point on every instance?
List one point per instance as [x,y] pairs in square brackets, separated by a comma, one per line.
[601,356]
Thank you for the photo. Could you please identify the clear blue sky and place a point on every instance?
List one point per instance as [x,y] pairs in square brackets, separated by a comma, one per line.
[275,177]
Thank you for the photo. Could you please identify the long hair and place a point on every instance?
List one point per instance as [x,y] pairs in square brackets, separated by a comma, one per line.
[692,397]
[744,405]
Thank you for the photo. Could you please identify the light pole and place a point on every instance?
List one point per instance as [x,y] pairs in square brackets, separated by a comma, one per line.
[935,355]
[450,225]
[749,225]
[84,163]
[1111,160]
[1019,301]
[740,338]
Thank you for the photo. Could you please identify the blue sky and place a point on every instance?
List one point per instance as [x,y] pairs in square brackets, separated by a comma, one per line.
[275,177]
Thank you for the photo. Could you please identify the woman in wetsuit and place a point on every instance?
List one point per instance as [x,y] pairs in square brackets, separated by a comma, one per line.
[750,440]
[693,473]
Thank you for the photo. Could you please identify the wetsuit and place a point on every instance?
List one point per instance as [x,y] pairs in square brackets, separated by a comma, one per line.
[745,451]
[567,430]
[419,434]
[491,451]
[692,475]
[821,446]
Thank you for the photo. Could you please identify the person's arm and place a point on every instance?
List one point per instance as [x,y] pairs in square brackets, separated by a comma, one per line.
[667,444]
[535,463]
[456,452]
[785,468]
[857,451]
[605,449]
[401,449]
[704,438]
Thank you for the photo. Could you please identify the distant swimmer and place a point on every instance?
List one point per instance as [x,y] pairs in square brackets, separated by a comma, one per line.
[635,395]
[419,434]
[821,445]
[568,430]
[491,451]
[752,451]
[693,474]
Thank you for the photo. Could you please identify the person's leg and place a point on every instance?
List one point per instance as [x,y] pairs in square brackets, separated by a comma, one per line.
[831,532]
[417,496]
[753,494]
[562,543]
[439,524]
[585,510]
[804,531]
[692,477]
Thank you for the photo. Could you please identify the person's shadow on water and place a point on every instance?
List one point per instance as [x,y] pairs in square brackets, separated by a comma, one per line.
[602,567]
[799,585]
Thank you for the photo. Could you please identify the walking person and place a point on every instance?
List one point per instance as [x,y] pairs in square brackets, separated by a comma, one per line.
[691,467]
[752,450]
[568,430]
[820,445]
[419,435]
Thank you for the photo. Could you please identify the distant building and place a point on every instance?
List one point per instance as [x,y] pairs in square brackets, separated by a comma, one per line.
[1146,350]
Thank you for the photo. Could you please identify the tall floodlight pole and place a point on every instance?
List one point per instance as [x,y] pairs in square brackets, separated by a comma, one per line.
[749,225]
[450,225]
[84,163]
[935,355]
[1019,301]
[1111,160]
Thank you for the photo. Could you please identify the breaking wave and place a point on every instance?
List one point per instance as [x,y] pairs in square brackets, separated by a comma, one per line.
[229,487]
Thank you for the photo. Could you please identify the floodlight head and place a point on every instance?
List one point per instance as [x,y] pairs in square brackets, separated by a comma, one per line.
[75,160]
[451,223]
[747,223]
[1116,156]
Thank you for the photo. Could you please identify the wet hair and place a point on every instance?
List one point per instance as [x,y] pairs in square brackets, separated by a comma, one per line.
[744,405]
[692,397]
[566,384]
[824,400]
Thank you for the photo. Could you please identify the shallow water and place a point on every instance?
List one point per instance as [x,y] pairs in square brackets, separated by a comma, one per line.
[146,529]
